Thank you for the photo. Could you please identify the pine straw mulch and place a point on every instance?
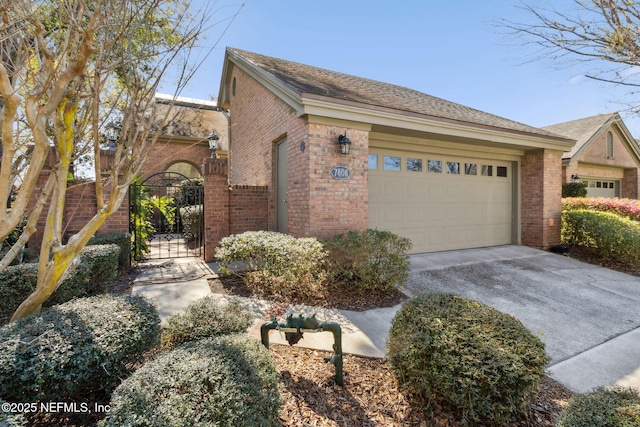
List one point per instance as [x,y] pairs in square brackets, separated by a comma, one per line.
[371,395]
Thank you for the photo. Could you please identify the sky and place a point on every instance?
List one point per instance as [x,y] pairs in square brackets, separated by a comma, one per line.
[454,50]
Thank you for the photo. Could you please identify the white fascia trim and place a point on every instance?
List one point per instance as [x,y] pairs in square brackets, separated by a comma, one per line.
[358,114]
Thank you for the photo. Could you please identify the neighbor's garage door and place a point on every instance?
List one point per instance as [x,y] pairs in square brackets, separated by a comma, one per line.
[441,202]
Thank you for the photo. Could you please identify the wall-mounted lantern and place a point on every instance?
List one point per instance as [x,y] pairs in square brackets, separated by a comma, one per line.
[214,143]
[575,178]
[112,134]
[345,143]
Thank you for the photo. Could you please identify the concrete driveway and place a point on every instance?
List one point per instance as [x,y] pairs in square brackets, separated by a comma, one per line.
[587,316]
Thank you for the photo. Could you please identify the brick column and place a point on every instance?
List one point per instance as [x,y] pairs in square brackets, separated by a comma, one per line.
[541,190]
[630,184]
[216,199]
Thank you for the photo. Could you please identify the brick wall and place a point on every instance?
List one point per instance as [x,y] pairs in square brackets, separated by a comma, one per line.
[630,184]
[164,154]
[230,209]
[541,188]
[318,205]
[80,207]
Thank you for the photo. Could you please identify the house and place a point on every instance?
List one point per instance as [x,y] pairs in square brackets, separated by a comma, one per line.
[183,143]
[443,174]
[606,157]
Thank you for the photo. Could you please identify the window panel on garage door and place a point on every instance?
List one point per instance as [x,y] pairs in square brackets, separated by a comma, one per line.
[450,203]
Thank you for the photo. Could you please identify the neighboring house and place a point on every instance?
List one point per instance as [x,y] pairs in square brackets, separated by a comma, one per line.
[606,157]
[445,175]
[183,144]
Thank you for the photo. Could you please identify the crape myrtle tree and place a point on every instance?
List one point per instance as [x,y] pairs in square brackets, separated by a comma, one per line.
[602,35]
[67,68]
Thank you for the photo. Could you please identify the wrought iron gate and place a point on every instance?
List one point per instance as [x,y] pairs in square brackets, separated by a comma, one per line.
[166,216]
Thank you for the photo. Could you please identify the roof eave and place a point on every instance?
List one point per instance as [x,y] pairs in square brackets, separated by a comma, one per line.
[283,91]
[343,110]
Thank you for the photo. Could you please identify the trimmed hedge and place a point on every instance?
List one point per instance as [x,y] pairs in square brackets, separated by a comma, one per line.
[123,240]
[603,407]
[369,260]
[75,348]
[612,235]
[278,263]
[8,419]
[98,266]
[574,189]
[223,381]
[480,361]
[206,318]
[629,208]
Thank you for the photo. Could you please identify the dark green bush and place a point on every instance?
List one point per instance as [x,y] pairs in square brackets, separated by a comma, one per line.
[101,261]
[229,380]
[369,260]
[574,189]
[123,240]
[98,266]
[615,407]
[75,348]
[613,236]
[481,362]
[206,318]
[278,263]
[11,419]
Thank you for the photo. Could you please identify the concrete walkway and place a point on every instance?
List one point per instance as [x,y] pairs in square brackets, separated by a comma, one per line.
[586,315]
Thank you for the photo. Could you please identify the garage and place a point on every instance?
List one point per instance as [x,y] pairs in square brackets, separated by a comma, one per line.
[601,187]
[442,201]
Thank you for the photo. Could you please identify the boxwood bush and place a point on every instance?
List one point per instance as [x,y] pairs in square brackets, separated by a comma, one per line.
[9,419]
[369,260]
[483,363]
[206,318]
[602,407]
[612,235]
[278,263]
[229,380]
[75,348]
[123,240]
[574,189]
[98,266]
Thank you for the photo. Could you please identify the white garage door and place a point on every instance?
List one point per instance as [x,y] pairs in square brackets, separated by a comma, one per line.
[598,187]
[441,202]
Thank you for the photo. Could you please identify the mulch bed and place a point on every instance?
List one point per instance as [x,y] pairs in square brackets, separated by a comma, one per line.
[370,396]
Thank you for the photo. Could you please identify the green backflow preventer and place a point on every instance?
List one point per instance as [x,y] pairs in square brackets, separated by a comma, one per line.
[293,329]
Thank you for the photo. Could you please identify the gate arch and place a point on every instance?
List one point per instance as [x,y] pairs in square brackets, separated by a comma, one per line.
[166,216]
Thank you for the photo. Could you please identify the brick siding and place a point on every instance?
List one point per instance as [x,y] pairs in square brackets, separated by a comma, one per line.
[541,189]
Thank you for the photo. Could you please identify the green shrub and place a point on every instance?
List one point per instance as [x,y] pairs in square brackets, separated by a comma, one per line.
[278,263]
[223,381]
[192,221]
[613,236]
[123,240]
[102,263]
[480,361]
[97,266]
[75,348]
[369,260]
[629,208]
[11,419]
[206,318]
[616,407]
[574,189]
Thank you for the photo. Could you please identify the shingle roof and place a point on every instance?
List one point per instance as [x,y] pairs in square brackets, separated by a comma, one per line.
[305,79]
[582,130]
